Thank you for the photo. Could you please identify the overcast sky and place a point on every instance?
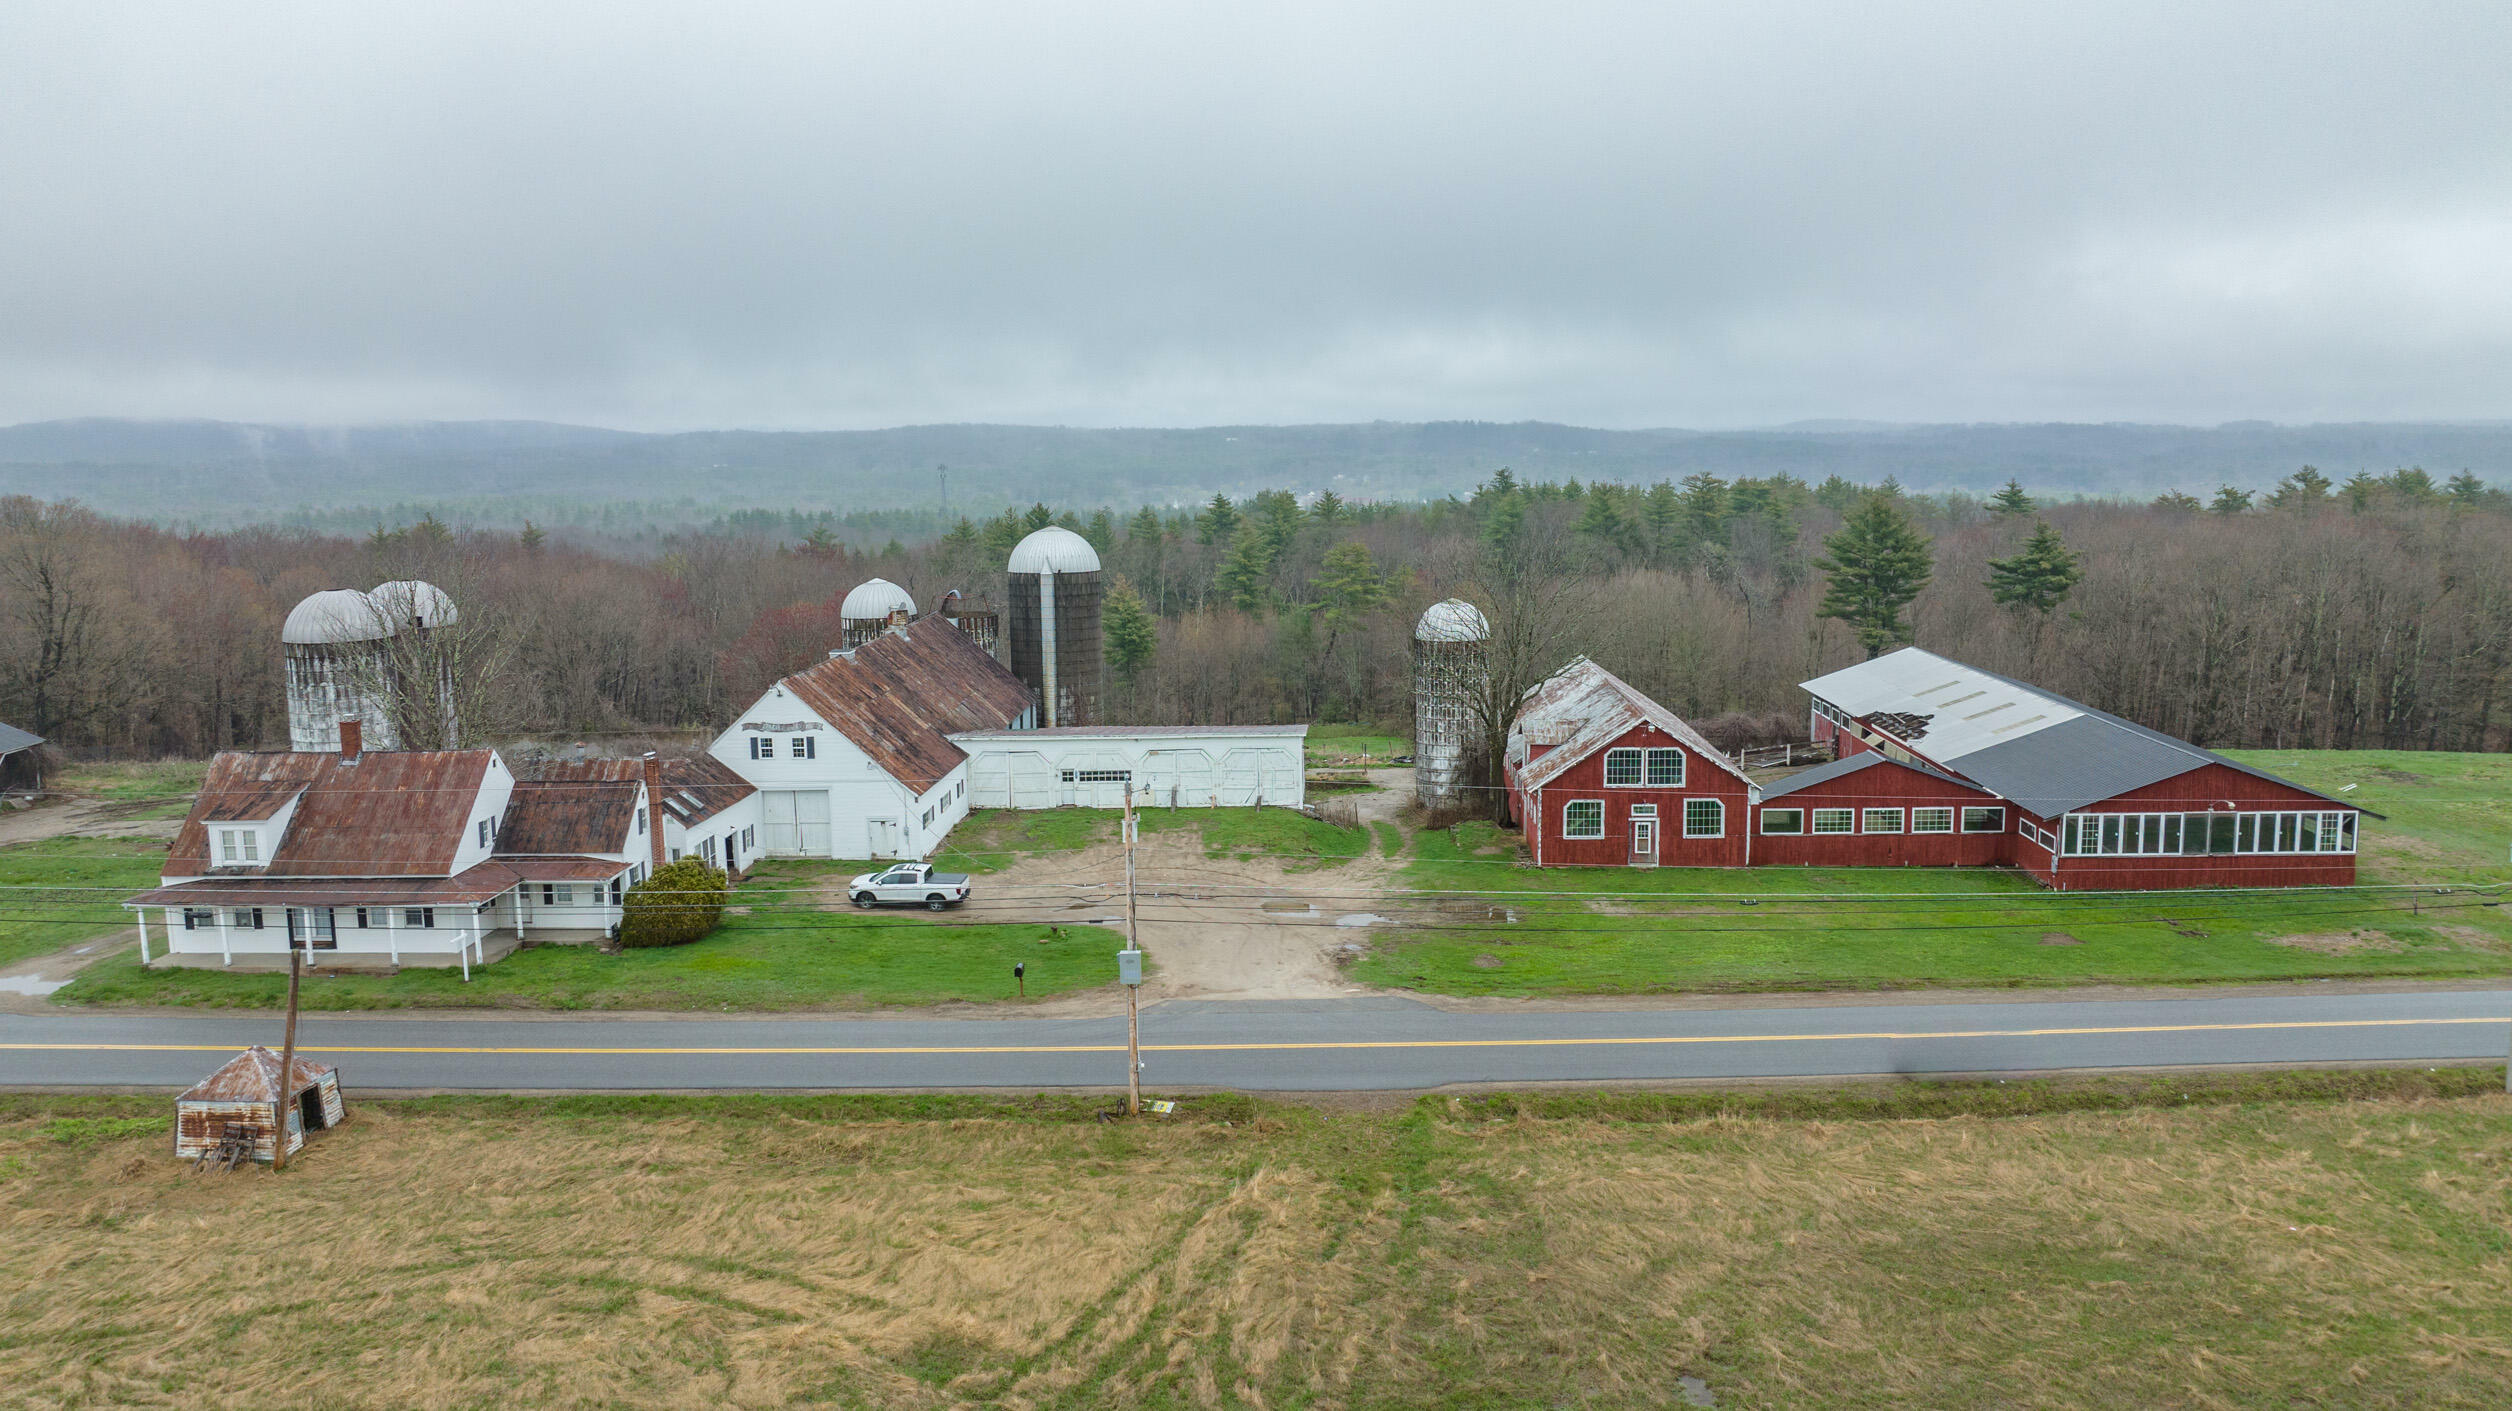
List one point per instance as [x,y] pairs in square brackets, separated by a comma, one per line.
[819,215]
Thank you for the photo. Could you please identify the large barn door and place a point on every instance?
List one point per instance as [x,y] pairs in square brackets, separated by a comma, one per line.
[1177,778]
[1242,778]
[811,823]
[776,823]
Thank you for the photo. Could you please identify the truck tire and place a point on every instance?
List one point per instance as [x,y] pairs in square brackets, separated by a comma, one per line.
[936,902]
[864,900]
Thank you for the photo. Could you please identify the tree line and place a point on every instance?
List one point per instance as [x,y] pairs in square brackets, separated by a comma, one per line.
[2371,613]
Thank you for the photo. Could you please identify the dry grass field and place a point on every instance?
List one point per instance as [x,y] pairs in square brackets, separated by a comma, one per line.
[1585,1251]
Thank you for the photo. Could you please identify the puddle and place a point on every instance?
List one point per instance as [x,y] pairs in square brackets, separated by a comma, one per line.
[1364,918]
[35,985]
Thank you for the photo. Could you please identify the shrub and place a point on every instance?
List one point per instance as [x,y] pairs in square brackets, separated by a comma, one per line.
[682,902]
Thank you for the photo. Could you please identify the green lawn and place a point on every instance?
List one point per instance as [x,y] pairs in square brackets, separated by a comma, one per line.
[1352,746]
[1616,931]
[1299,842]
[49,897]
[991,839]
[163,787]
[2446,817]
[781,954]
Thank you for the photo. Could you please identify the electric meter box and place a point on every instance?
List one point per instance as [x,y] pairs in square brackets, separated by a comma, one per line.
[1129,967]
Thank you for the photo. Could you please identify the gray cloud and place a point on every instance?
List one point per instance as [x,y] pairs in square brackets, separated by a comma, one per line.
[1159,214]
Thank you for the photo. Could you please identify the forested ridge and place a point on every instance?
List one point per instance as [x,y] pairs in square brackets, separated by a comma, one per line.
[2372,613]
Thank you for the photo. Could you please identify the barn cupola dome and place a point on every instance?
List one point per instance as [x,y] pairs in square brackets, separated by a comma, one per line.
[333,615]
[1455,620]
[1054,549]
[875,599]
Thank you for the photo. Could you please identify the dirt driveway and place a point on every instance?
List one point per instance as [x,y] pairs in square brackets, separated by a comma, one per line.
[93,818]
[1215,928]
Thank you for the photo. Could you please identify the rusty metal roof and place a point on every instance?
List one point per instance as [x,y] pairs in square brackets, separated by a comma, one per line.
[1585,707]
[572,806]
[563,869]
[695,790]
[253,1076]
[899,695]
[382,814]
[470,886]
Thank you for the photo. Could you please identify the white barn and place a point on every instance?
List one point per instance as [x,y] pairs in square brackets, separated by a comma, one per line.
[882,749]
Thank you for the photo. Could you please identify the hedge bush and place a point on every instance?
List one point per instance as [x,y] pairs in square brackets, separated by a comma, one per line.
[683,901]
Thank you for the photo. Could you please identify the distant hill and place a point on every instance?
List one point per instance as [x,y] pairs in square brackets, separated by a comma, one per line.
[223,473]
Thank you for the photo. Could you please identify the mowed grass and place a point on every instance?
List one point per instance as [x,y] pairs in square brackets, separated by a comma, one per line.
[2446,817]
[1300,843]
[1464,1252]
[60,891]
[1352,746]
[991,839]
[779,953]
[1619,931]
[163,788]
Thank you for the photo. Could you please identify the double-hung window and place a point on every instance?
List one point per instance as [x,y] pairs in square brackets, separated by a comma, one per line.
[762,747]
[1704,818]
[805,747]
[1931,820]
[1583,818]
[1882,820]
[1835,820]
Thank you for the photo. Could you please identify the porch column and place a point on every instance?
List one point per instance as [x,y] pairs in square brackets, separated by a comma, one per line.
[226,952]
[392,933]
[140,915]
[520,903]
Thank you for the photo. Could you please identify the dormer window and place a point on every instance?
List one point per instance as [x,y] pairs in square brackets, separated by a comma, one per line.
[239,847]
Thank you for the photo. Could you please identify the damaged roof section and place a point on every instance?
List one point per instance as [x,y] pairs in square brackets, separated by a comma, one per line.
[375,815]
[901,695]
[1582,708]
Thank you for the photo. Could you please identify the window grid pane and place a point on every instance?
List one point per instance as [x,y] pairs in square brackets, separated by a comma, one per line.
[1584,819]
[1834,820]
[1931,820]
[1704,818]
[1665,768]
[1622,768]
[1883,820]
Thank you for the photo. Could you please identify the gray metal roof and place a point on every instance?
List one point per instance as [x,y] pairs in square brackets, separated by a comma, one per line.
[2093,757]
[13,739]
[1851,764]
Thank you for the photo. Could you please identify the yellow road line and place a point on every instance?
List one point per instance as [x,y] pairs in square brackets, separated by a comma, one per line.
[1607,1042]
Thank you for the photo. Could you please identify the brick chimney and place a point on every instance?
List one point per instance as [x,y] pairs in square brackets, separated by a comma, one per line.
[654,806]
[352,740]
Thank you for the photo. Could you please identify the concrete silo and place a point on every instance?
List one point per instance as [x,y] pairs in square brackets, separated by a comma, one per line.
[1055,596]
[1450,668]
[871,609]
[371,657]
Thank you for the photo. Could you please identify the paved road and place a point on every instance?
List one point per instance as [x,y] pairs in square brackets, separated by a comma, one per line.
[1320,1045]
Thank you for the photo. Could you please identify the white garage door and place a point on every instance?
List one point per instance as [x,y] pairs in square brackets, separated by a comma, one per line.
[1095,778]
[1283,784]
[1178,778]
[1031,781]
[1242,777]
[794,822]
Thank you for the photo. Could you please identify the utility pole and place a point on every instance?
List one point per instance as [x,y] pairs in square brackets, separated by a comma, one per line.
[287,1054]
[1129,968]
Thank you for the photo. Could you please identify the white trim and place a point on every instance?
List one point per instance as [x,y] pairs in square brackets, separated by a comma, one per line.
[1951,818]
[1797,832]
[1691,804]
[1972,808]
[1849,823]
[1867,815]
[1568,836]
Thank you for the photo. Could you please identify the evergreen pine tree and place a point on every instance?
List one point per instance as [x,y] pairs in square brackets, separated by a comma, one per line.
[1328,508]
[2467,491]
[1101,531]
[2361,489]
[1133,637]
[2177,502]
[2039,576]
[2011,500]
[1838,494]
[1039,517]
[1219,523]
[963,535]
[1004,531]
[1705,507]
[1144,527]
[1348,581]
[1277,512]
[532,538]
[1246,576]
[1601,520]
[1875,564]
[2411,485]
[2305,489]
[2229,501]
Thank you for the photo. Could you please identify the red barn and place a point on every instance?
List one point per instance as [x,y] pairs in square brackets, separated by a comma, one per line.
[2099,802]
[1600,775]
[1867,810]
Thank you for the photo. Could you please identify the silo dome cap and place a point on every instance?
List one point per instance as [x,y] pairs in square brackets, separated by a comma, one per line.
[333,615]
[1054,549]
[410,602]
[1455,620]
[876,598]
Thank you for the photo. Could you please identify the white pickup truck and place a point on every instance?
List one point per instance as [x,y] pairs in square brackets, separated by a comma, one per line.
[910,884]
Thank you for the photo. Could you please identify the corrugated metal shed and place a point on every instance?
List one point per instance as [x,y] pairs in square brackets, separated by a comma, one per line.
[236,1101]
[899,696]
[380,814]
